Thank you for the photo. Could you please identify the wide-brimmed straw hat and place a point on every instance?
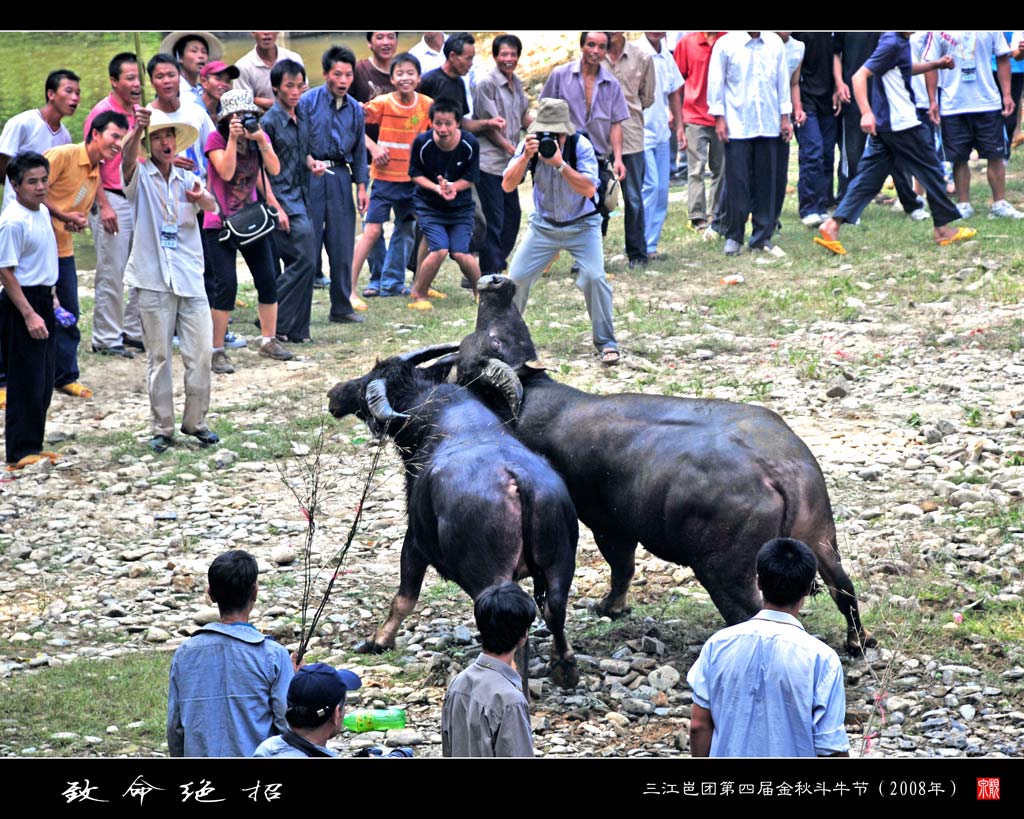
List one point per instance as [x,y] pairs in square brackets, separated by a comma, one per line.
[185,135]
[214,47]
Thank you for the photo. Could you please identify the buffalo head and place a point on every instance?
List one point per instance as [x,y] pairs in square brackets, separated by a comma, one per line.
[500,333]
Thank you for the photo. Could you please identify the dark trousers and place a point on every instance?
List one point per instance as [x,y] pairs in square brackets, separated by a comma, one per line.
[909,152]
[30,373]
[750,188]
[67,337]
[851,148]
[296,251]
[221,276]
[1011,122]
[781,178]
[333,214]
[503,215]
[633,205]
[817,138]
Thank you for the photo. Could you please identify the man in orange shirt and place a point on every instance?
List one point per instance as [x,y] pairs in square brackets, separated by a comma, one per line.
[401,115]
[74,179]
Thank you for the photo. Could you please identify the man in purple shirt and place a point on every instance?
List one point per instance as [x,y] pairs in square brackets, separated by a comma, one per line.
[115,327]
[597,105]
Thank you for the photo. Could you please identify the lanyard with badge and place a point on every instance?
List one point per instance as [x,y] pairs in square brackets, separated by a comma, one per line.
[169,226]
[968,63]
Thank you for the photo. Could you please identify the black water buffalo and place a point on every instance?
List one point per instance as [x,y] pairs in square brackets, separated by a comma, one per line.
[700,483]
[481,506]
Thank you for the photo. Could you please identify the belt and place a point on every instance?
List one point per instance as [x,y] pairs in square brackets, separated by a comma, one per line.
[571,221]
[337,163]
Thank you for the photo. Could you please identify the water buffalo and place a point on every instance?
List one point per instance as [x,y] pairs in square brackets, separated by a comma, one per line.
[700,483]
[481,506]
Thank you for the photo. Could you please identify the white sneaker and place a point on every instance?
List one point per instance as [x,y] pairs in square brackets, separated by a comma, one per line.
[919,215]
[812,220]
[966,211]
[1003,209]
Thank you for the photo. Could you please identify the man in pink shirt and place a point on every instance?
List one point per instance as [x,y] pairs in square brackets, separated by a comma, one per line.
[114,328]
[693,55]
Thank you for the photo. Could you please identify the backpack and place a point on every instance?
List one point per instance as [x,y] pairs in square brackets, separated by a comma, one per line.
[607,195]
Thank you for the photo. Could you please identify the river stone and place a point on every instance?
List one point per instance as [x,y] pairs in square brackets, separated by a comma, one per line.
[908,511]
[615,668]
[156,635]
[664,678]
[205,615]
[283,555]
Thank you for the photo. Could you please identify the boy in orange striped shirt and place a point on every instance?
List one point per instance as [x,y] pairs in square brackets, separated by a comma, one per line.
[402,115]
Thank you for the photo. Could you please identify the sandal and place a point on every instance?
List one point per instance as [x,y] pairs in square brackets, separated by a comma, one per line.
[358,304]
[370,293]
[420,304]
[610,357]
[961,235]
[76,390]
[436,294]
[833,246]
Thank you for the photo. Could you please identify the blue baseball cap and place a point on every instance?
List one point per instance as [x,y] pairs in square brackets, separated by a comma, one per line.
[321,687]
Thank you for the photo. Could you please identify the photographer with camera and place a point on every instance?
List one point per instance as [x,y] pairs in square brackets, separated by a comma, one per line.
[565,215]
[238,152]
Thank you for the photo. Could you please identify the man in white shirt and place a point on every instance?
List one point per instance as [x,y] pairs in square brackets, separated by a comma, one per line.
[38,129]
[166,265]
[973,107]
[28,273]
[749,97]
[254,67]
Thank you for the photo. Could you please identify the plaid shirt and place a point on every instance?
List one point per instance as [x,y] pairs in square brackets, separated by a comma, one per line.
[290,138]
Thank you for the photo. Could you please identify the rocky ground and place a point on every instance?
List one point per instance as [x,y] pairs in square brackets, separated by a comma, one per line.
[914,411]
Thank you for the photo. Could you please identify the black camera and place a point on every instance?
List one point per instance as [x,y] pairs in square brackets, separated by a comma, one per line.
[250,122]
[548,146]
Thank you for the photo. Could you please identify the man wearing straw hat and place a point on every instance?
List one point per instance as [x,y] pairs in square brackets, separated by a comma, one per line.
[565,216]
[193,50]
[166,265]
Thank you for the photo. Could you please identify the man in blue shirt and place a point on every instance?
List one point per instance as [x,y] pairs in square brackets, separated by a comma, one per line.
[337,138]
[897,138]
[293,239]
[766,687]
[229,683]
[565,216]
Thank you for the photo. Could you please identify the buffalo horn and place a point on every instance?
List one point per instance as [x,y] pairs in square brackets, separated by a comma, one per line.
[503,378]
[377,400]
[427,353]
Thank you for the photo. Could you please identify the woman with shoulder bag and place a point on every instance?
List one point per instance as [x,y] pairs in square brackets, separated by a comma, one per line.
[239,152]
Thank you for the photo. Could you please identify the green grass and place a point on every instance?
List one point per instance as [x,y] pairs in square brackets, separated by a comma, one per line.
[85,697]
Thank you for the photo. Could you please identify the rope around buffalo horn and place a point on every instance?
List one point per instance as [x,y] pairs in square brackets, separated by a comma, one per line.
[503,378]
[380,406]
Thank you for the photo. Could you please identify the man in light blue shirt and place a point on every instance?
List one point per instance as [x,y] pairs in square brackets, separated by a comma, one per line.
[766,687]
[229,683]
[565,215]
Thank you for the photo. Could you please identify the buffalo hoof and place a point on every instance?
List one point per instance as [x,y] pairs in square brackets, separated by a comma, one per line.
[855,643]
[370,647]
[614,610]
[564,673]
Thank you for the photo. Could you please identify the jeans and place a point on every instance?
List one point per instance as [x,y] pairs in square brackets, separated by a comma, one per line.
[68,338]
[655,192]
[633,206]
[582,239]
[910,152]
[503,215]
[817,138]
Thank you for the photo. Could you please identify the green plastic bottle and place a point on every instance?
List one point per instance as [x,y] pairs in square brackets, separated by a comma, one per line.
[375,719]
